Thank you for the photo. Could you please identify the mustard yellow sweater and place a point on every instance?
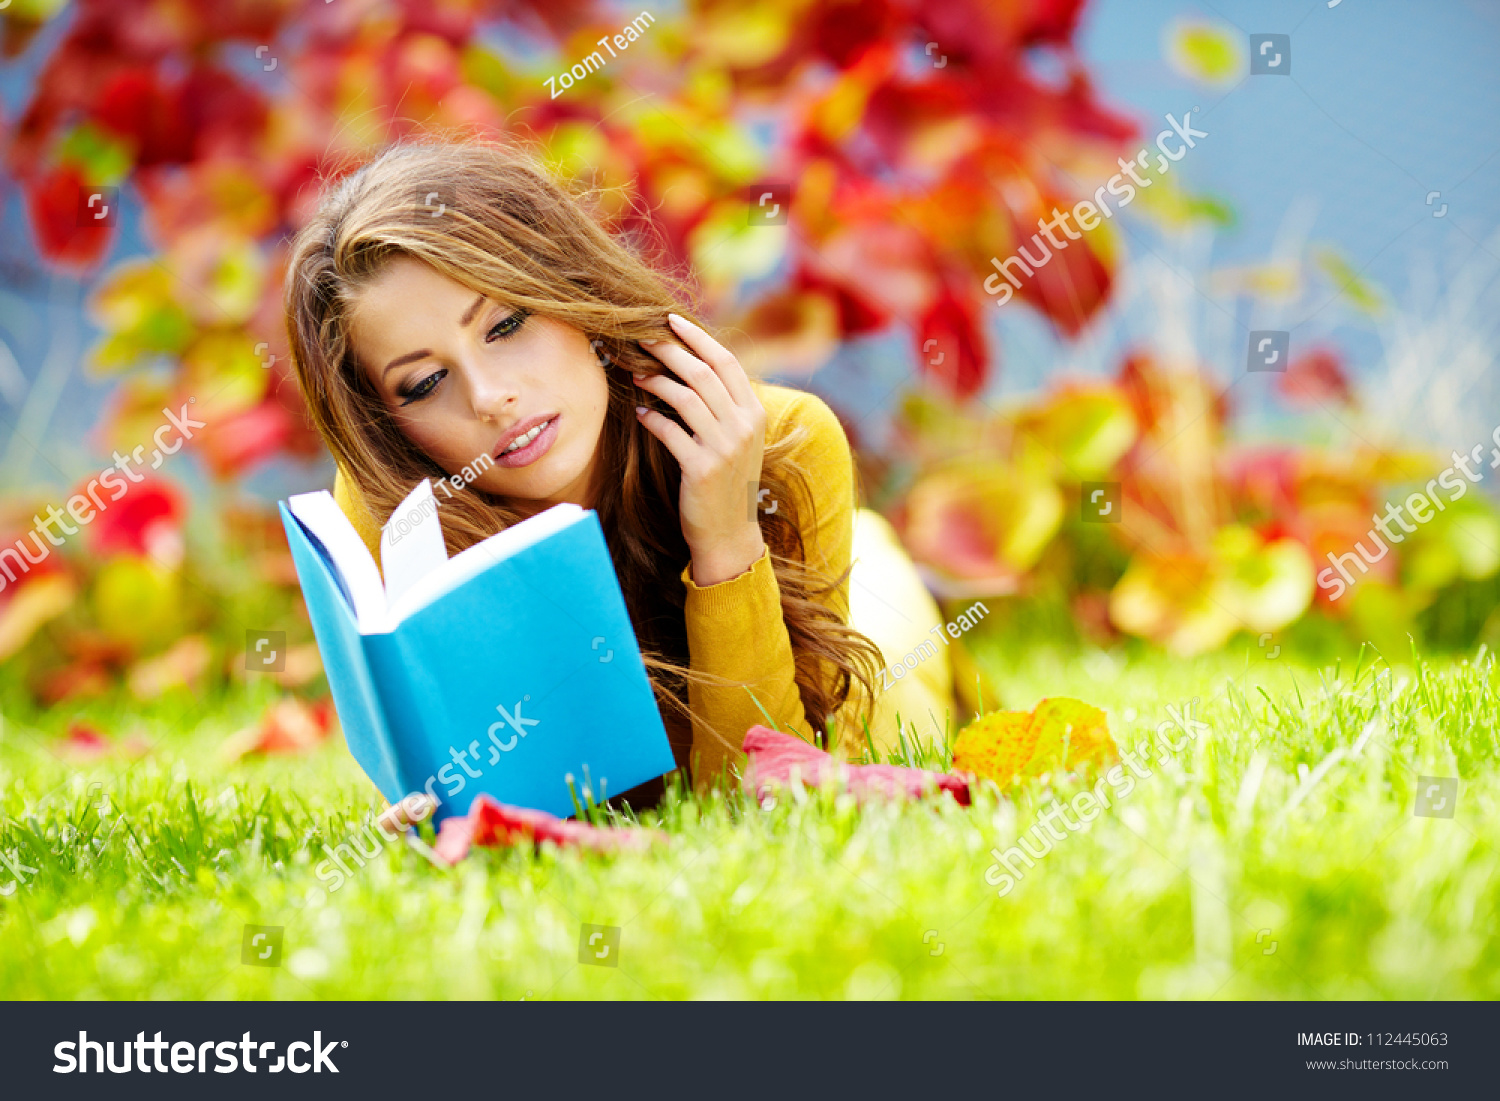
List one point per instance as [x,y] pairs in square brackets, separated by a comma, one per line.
[735,628]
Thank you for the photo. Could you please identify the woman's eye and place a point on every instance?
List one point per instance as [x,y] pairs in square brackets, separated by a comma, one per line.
[506,327]
[423,388]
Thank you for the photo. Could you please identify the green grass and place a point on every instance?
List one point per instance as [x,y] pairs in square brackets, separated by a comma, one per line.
[1270,830]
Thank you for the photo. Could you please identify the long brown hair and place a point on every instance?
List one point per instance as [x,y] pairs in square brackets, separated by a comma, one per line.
[492,220]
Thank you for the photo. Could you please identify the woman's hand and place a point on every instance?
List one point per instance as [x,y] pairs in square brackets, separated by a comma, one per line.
[416,807]
[722,458]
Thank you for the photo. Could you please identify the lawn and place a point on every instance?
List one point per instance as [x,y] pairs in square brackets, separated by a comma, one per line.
[1275,855]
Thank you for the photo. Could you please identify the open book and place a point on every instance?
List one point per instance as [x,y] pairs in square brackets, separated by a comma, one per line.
[506,669]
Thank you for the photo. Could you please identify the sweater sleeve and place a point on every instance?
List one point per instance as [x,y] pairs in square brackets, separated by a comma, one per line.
[348,498]
[735,628]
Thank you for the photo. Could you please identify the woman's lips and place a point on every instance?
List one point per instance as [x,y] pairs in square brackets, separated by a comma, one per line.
[525,456]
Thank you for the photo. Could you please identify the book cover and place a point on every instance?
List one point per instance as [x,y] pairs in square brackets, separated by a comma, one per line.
[525,674]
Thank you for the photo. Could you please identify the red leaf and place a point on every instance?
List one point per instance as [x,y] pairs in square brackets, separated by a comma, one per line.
[1316,378]
[147,520]
[1072,282]
[132,106]
[491,823]
[951,347]
[221,113]
[289,726]
[84,742]
[63,236]
[233,445]
[842,32]
[776,758]
[857,315]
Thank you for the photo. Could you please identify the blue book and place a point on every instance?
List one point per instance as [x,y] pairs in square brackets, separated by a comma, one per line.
[509,669]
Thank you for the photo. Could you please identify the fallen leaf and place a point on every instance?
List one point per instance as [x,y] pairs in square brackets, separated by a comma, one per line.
[492,823]
[996,746]
[777,759]
[290,725]
[76,680]
[84,742]
[1058,734]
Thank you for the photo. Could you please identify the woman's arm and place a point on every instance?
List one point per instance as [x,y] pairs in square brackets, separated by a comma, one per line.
[735,628]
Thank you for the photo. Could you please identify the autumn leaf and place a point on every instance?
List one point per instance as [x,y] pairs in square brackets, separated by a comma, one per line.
[1088,428]
[182,665]
[1210,52]
[493,823]
[1058,735]
[28,603]
[84,742]
[777,759]
[1316,379]
[146,522]
[289,726]
[56,201]
[951,346]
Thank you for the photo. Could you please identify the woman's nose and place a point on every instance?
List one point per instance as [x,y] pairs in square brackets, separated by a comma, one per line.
[490,397]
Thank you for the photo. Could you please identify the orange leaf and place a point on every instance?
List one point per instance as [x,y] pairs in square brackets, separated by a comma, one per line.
[290,725]
[1058,735]
[995,746]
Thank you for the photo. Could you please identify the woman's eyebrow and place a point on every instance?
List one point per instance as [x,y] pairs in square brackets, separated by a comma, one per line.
[463,322]
[412,357]
[409,357]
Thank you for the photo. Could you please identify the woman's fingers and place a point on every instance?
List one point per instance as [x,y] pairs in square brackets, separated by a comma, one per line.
[725,366]
[687,401]
[415,808]
[699,376]
[669,432]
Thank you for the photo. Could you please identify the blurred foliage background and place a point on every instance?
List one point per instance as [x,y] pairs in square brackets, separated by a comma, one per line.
[913,146]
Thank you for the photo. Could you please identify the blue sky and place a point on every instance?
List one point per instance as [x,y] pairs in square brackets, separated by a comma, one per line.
[1386,102]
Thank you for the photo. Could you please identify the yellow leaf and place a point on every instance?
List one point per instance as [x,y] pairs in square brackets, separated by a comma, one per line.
[1059,734]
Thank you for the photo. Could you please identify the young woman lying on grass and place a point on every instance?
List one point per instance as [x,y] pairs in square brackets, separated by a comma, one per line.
[451,303]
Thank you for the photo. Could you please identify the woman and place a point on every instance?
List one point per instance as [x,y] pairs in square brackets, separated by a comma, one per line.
[452,307]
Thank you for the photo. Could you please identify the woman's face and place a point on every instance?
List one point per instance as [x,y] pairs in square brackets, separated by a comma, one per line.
[461,372]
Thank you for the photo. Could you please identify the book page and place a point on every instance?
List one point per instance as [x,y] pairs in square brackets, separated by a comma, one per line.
[321,515]
[411,543]
[478,558]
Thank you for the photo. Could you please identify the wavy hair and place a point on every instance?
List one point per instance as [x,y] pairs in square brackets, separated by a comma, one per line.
[509,230]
